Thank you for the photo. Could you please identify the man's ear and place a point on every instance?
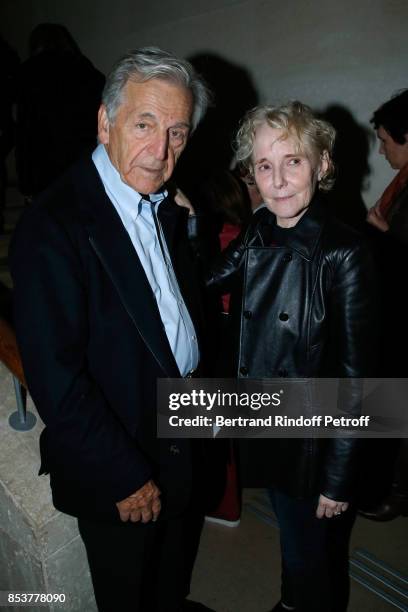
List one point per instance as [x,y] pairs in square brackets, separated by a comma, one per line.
[103,125]
[324,165]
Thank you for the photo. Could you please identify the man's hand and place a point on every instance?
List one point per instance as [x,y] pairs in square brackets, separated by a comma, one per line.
[328,507]
[143,505]
[375,218]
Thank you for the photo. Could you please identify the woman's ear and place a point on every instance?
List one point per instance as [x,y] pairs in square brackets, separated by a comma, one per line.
[324,165]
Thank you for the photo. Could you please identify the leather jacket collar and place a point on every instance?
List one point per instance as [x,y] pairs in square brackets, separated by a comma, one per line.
[305,235]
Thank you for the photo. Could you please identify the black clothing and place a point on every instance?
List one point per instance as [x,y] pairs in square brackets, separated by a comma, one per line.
[382,478]
[305,309]
[314,555]
[9,64]
[398,217]
[93,346]
[58,96]
[147,569]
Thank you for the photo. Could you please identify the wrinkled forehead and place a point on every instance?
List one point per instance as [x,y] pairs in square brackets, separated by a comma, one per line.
[168,92]
[268,134]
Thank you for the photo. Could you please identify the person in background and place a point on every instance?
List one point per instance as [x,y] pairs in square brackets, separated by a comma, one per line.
[106,302]
[390,213]
[225,209]
[9,64]
[304,309]
[58,95]
[255,197]
[226,201]
[387,493]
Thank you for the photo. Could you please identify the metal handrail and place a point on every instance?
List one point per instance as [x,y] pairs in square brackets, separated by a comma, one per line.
[20,420]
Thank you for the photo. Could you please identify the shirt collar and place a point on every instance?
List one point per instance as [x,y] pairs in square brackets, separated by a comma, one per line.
[306,233]
[128,199]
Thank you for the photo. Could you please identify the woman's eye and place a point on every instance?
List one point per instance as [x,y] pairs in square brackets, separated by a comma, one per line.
[141,125]
[263,167]
[295,161]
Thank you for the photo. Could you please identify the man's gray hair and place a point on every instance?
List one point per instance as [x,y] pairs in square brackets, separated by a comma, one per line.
[147,63]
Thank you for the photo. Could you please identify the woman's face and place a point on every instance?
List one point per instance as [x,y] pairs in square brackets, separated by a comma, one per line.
[396,154]
[286,178]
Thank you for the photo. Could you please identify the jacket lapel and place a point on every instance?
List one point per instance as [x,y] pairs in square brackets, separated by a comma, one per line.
[112,245]
[306,235]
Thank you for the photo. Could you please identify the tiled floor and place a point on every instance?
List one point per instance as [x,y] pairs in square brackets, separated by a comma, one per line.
[238,569]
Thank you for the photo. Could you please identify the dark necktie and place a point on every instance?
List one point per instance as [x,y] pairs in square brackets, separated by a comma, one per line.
[146,198]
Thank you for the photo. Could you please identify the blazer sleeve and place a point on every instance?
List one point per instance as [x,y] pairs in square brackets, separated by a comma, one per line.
[353,314]
[85,443]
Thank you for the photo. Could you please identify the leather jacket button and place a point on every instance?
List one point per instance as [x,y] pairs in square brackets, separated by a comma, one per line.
[287,257]
[243,370]
[247,314]
[282,372]
[283,316]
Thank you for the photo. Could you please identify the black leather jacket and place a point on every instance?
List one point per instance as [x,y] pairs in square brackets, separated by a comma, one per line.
[300,310]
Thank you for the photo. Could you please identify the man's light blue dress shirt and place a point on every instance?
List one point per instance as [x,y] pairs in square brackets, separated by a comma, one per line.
[137,217]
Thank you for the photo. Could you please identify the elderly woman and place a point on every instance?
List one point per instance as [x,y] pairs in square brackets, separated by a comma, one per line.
[302,309]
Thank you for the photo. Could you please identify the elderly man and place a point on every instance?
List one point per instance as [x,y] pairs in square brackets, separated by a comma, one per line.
[105,304]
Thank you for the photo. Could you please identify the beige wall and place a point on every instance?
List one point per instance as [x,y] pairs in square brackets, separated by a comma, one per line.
[347,52]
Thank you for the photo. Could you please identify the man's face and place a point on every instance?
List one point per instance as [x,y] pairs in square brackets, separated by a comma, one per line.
[286,178]
[149,132]
[395,153]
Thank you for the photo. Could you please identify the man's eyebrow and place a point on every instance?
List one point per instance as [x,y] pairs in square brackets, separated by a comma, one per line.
[181,124]
[148,115]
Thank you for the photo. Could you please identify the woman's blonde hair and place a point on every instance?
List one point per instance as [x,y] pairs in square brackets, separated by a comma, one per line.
[315,136]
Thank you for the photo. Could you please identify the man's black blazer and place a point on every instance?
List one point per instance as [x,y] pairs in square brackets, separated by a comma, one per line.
[93,346]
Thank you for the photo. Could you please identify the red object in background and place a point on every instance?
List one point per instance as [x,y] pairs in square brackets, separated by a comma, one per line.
[228,512]
[229,232]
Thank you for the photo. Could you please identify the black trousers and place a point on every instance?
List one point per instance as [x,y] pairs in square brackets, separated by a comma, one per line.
[138,567]
[314,555]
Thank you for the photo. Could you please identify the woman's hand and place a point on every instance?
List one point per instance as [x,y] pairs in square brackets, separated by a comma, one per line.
[375,218]
[328,507]
[182,200]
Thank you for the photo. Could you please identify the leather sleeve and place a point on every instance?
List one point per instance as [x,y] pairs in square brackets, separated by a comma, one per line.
[223,270]
[353,299]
